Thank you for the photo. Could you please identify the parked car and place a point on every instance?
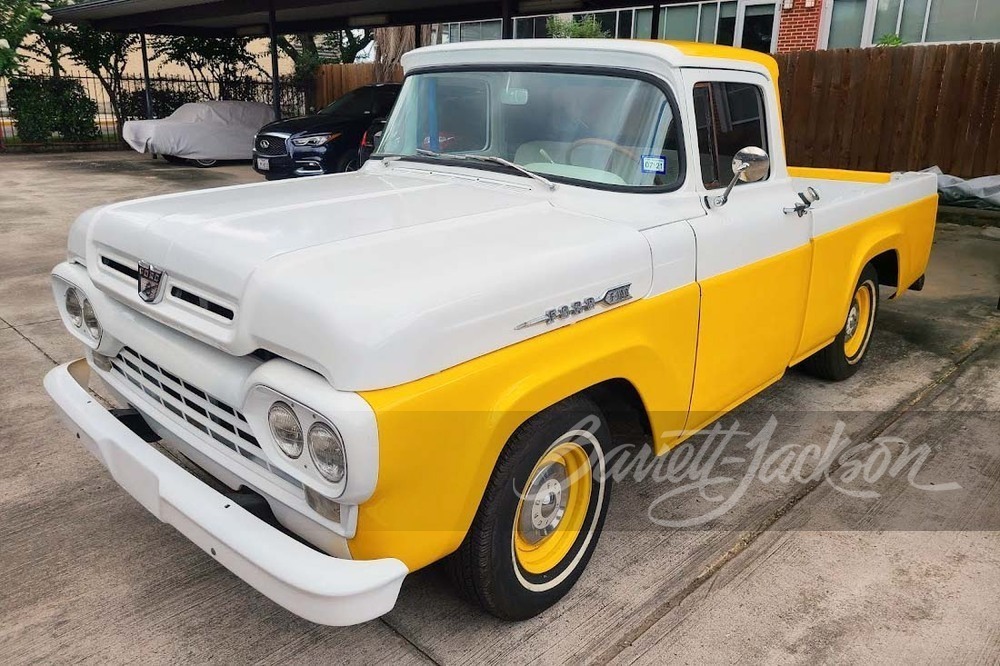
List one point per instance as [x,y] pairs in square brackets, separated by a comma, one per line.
[326,142]
[202,133]
[433,357]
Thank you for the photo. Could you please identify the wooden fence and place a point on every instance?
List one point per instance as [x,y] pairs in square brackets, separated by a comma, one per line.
[892,109]
[332,81]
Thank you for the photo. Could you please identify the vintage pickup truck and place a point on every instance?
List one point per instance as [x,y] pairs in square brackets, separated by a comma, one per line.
[329,383]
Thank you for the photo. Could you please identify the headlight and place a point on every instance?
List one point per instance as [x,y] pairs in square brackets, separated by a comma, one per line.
[74,307]
[327,451]
[286,429]
[90,320]
[315,140]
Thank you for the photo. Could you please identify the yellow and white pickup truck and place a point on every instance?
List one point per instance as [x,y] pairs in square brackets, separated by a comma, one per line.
[555,242]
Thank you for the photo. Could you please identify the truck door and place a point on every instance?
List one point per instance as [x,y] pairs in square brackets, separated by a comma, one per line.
[752,260]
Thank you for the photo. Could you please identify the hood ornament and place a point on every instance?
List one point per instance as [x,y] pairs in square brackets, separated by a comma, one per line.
[150,279]
[612,296]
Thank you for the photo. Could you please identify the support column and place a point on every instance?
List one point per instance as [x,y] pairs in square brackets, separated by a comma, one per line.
[654,28]
[145,76]
[507,19]
[417,36]
[272,28]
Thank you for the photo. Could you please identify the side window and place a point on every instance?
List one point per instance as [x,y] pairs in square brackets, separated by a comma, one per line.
[728,116]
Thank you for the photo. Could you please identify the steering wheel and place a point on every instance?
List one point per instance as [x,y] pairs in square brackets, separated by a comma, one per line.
[603,143]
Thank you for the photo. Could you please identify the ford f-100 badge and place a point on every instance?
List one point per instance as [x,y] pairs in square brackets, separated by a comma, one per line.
[612,296]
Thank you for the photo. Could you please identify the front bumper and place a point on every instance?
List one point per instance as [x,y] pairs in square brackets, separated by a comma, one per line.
[289,166]
[317,587]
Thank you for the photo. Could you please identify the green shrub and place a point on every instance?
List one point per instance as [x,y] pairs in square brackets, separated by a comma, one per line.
[889,39]
[576,28]
[43,106]
[165,101]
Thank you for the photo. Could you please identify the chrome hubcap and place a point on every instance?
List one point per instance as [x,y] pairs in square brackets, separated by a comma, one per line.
[852,321]
[544,503]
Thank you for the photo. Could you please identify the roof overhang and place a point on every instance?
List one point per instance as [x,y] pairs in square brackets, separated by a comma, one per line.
[250,17]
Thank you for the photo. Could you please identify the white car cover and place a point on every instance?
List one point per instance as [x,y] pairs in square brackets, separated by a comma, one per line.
[201,131]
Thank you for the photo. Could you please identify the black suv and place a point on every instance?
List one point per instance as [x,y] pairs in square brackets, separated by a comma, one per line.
[326,142]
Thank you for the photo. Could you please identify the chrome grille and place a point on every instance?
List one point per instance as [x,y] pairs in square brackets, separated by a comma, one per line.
[270,146]
[220,424]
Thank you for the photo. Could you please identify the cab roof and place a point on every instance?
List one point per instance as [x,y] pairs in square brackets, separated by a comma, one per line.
[591,52]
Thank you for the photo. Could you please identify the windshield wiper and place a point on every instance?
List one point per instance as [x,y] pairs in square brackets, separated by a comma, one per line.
[488,158]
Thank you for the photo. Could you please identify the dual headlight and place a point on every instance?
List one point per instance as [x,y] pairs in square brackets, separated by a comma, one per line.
[81,313]
[326,447]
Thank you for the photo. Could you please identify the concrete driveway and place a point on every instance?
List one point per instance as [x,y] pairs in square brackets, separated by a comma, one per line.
[861,564]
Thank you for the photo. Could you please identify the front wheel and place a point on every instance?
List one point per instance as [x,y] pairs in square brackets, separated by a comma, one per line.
[205,164]
[842,357]
[541,515]
[348,162]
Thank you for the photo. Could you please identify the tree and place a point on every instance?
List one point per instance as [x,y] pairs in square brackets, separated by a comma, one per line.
[103,54]
[578,28]
[49,43]
[347,44]
[225,61]
[309,51]
[17,19]
[391,44]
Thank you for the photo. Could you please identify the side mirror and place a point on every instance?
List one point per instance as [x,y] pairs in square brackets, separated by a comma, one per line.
[750,165]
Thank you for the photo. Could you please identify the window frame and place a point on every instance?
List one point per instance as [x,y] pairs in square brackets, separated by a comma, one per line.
[764,123]
[656,81]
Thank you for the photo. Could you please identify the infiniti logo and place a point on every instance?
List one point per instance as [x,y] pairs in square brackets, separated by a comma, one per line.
[264,143]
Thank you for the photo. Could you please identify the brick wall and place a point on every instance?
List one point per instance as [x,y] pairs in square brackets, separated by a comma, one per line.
[799,26]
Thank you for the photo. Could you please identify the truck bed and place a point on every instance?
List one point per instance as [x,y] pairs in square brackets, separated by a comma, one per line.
[851,196]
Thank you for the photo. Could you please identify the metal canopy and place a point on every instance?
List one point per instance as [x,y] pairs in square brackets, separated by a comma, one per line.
[220,18]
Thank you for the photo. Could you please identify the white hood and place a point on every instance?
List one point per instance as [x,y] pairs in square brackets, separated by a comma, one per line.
[372,279]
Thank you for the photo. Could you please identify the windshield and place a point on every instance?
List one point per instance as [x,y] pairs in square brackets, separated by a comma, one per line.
[358,102]
[597,129]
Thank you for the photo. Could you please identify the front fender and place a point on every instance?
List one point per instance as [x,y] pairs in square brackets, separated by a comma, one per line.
[440,436]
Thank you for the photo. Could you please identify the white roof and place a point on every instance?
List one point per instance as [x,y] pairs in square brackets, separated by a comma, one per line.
[644,55]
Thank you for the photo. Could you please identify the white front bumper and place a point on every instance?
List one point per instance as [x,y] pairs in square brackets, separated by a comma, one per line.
[315,586]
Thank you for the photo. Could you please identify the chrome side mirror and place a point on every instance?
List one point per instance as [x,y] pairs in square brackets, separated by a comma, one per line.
[750,165]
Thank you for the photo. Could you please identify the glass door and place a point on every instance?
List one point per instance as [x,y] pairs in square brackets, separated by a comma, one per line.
[756,27]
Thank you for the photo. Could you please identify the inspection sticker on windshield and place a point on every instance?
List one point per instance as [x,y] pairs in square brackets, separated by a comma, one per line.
[654,164]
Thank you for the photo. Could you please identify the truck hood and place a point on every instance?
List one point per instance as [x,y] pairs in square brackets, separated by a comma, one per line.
[371,279]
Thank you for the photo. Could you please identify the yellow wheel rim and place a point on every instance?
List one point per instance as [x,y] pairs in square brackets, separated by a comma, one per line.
[858,320]
[553,508]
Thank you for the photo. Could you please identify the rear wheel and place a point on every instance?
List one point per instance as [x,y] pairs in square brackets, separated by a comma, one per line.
[173,159]
[842,357]
[541,515]
[204,164]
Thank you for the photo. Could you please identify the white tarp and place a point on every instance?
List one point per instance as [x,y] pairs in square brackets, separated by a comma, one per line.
[983,192]
[201,131]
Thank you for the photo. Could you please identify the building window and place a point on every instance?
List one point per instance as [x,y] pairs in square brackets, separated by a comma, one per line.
[963,20]
[854,23]
[846,24]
